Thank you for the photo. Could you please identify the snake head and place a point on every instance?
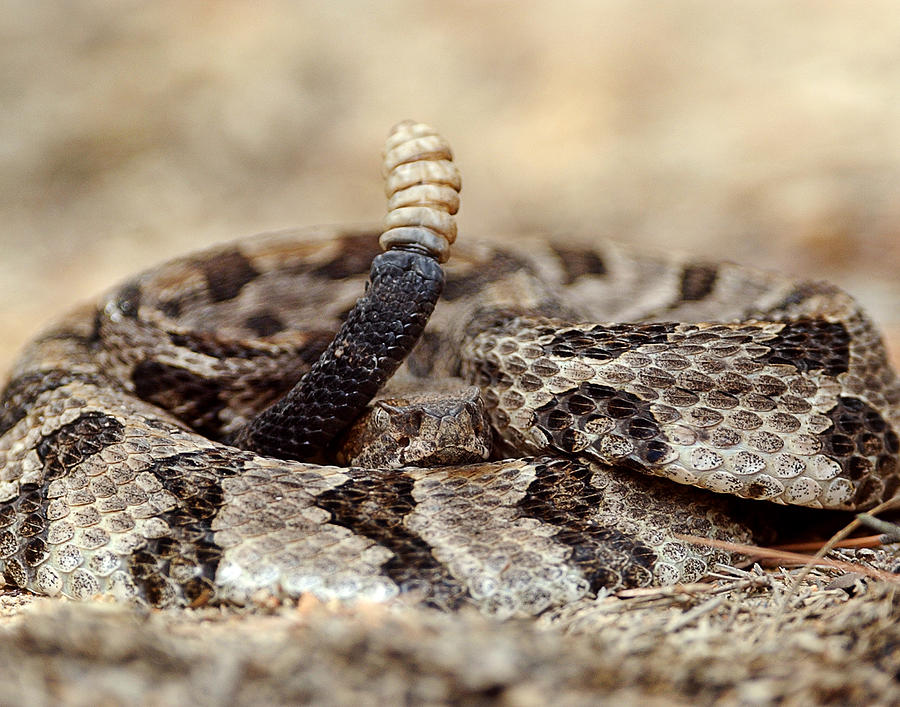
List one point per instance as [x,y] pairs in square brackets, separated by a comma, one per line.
[429,429]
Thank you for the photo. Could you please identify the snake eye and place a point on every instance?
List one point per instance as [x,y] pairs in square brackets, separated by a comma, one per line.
[381,415]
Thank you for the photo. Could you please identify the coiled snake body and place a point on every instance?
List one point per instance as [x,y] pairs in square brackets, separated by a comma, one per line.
[152,447]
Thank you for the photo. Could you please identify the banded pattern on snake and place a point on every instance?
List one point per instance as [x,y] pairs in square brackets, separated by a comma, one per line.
[149,451]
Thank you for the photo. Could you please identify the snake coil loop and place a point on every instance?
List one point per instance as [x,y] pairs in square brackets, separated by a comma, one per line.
[422,185]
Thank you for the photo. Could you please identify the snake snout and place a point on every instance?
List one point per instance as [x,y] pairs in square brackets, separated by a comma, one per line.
[422,429]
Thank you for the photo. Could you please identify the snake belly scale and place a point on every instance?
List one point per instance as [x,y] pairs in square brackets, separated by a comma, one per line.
[129,465]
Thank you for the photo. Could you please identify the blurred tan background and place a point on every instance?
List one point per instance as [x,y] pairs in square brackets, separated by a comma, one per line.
[764,132]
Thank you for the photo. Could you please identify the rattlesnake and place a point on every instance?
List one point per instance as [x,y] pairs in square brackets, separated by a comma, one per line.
[140,436]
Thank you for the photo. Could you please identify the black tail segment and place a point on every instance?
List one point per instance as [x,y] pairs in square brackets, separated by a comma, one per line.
[422,185]
[376,337]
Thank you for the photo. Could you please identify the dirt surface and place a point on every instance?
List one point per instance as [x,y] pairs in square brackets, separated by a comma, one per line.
[767,133]
[749,640]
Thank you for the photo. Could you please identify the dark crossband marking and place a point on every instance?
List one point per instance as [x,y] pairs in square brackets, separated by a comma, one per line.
[171,308]
[193,398]
[623,415]
[266,324]
[307,347]
[354,257]
[811,345]
[866,448]
[561,495]
[375,507]
[210,345]
[183,563]
[59,452]
[26,542]
[21,392]
[226,274]
[698,281]
[578,262]
[605,343]
[74,443]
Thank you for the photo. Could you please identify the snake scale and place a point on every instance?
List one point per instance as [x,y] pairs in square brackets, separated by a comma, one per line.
[156,446]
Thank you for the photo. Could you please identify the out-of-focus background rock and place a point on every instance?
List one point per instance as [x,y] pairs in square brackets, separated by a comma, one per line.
[765,132]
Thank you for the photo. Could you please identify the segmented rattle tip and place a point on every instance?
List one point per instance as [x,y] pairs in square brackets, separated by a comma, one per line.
[422,185]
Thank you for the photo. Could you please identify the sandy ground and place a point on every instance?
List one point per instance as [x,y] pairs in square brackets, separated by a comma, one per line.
[767,133]
[748,640]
